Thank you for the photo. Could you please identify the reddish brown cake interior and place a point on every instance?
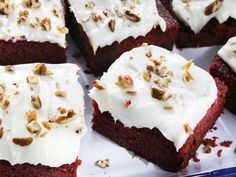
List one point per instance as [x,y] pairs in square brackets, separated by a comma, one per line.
[225,73]
[213,33]
[27,170]
[28,52]
[105,56]
[150,144]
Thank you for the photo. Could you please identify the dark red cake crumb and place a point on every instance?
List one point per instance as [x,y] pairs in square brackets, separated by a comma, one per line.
[219,152]
[210,142]
[150,144]
[207,149]
[226,143]
[195,158]
[105,56]
[214,128]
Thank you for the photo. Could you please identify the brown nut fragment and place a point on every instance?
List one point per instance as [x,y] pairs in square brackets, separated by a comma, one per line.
[62,29]
[60,93]
[34,22]
[33,127]
[187,129]
[4,102]
[127,103]
[47,125]
[99,85]
[31,115]
[1,133]
[2,89]
[103,163]
[213,7]
[63,119]
[90,5]
[36,102]
[35,4]
[112,25]
[207,149]
[125,81]
[131,92]
[157,93]
[131,16]
[147,76]
[56,11]
[6,8]
[149,54]
[41,69]
[168,106]
[46,24]
[32,80]
[52,117]
[70,113]
[23,16]
[187,77]
[23,141]
[9,68]
[62,110]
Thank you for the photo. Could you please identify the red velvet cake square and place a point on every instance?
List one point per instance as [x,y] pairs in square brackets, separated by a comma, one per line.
[224,67]
[104,31]
[41,120]
[157,104]
[204,22]
[32,31]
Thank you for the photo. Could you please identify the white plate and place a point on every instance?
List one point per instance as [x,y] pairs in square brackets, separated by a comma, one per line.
[123,163]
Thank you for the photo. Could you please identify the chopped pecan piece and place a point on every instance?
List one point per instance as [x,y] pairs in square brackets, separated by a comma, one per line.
[112,25]
[157,93]
[36,102]
[99,85]
[23,141]
[9,68]
[131,16]
[213,7]
[125,81]
[33,127]
[41,69]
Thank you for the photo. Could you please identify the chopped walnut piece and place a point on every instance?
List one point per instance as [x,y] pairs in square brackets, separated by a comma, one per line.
[33,127]
[23,16]
[1,133]
[125,81]
[60,93]
[23,141]
[157,93]
[31,115]
[62,29]
[127,103]
[131,16]
[9,68]
[131,92]
[36,102]
[187,77]
[34,22]
[52,117]
[188,65]
[79,130]
[35,4]
[47,125]
[147,76]
[166,96]
[187,129]
[56,11]
[149,54]
[90,5]
[168,106]
[103,163]
[99,85]
[63,119]
[32,80]
[213,7]
[112,25]
[4,102]
[156,62]
[62,110]
[70,113]
[150,68]
[41,69]
[2,89]
[46,24]
[94,17]
[6,8]
[207,149]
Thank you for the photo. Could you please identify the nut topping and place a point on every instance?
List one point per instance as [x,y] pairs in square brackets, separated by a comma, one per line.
[41,69]
[23,16]
[9,68]
[62,29]
[125,81]
[2,89]
[99,85]
[103,163]
[34,22]
[31,115]
[131,92]
[112,25]
[23,141]
[149,54]
[213,7]
[187,129]
[56,11]
[4,102]
[1,133]
[32,80]
[52,117]
[90,5]
[147,76]
[46,24]
[47,125]
[131,16]
[35,4]
[187,76]
[127,103]
[157,93]
[6,8]
[60,93]
[36,102]
[33,127]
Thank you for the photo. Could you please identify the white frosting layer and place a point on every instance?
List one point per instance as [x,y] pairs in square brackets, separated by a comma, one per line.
[193,12]
[11,30]
[228,53]
[190,100]
[58,146]
[99,33]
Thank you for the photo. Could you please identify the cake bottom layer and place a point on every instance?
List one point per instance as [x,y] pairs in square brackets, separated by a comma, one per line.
[150,144]
[225,73]
[28,170]
[30,52]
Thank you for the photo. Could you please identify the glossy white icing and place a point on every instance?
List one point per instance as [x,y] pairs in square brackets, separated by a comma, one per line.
[192,12]
[54,147]
[11,30]
[98,30]
[190,100]
[228,53]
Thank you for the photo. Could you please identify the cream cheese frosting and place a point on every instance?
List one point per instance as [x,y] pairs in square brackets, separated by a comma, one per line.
[197,13]
[108,21]
[30,20]
[228,53]
[150,87]
[47,129]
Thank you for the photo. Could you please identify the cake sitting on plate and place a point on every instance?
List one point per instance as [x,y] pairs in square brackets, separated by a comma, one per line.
[203,22]
[157,104]
[41,120]
[32,31]
[105,30]
[224,68]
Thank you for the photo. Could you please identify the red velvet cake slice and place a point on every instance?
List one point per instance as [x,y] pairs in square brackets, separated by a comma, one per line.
[203,22]
[105,30]
[157,104]
[32,31]
[224,68]
[41,120]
